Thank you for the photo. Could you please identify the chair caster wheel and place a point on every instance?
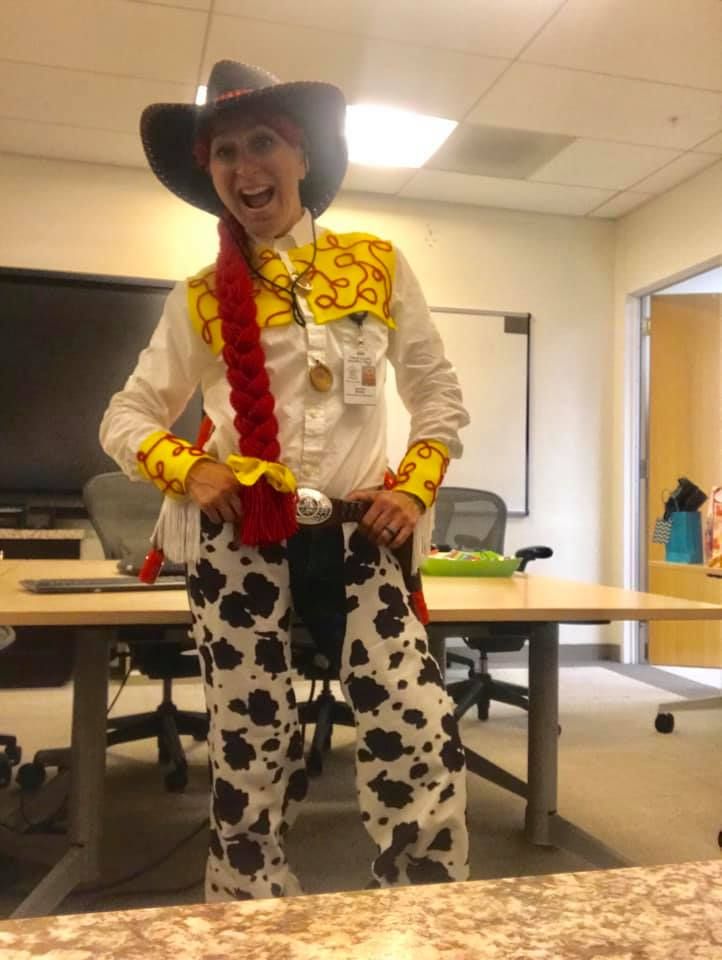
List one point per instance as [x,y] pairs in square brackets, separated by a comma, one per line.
[13,755]
[176,780]
[6,772]
[314,764]
[664,722]
[719,839]
[200,737]
[31,776]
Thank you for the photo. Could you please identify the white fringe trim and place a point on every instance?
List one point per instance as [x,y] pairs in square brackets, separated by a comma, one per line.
[423,532]
[178,530]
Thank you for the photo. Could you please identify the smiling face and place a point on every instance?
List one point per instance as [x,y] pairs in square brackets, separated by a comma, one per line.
[256,174]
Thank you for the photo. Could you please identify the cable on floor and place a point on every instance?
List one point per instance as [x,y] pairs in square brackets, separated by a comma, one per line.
[98,892]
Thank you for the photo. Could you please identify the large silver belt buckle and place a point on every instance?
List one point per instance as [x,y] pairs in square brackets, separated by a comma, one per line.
[312,506]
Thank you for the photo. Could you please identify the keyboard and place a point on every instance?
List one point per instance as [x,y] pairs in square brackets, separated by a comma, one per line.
[101,584]
[133,565]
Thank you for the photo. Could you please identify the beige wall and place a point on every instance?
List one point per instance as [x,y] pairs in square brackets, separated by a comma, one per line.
[101,219]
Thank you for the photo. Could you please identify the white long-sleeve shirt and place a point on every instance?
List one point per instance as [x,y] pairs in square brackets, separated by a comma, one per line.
[327,444]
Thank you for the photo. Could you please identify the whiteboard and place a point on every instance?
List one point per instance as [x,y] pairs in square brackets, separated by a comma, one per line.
[490,352]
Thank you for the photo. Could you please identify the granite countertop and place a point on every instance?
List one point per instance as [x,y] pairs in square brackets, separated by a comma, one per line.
[652,913]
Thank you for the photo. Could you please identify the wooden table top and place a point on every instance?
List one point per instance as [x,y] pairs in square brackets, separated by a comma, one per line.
[523,597]
[647,913]
[57,533]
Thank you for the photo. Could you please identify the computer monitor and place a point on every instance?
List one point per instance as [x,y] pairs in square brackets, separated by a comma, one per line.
[68,342]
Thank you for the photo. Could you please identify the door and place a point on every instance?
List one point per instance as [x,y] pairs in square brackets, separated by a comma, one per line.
[684,439]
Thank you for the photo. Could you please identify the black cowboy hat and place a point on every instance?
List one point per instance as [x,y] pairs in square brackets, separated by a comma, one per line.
[170,130]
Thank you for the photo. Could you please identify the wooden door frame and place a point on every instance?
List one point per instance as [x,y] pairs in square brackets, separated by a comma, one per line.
[636,396]
[634,507]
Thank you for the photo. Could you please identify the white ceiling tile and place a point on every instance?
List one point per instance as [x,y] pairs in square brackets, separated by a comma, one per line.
[108,36]
[76,74]
[48,94]
[475,26]
[713,145]
[375,179]
[621,204]
[598,163]
[687,166]
[70,143]
[674,41]
[553,100]
[437,82]
[511,194]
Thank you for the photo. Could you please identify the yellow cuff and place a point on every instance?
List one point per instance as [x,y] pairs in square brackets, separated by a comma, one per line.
[166,460]
[249,470]
[422,469]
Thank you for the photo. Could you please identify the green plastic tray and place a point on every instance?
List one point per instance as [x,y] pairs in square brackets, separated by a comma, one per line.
[445,567]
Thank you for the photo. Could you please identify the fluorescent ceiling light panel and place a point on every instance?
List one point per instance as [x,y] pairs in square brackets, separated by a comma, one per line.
[201,94]
[389,137]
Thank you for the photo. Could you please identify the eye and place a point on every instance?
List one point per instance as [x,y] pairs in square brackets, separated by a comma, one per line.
[262,142]
[223,151]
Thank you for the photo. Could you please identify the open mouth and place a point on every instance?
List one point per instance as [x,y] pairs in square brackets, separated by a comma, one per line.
[256,199]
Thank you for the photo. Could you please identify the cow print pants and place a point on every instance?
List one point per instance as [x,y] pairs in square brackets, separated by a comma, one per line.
[410,770]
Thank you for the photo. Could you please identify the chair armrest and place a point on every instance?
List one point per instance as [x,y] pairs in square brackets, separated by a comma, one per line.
[533,553]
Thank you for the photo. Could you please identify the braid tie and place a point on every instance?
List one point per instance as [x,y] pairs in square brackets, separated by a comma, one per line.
[268,514]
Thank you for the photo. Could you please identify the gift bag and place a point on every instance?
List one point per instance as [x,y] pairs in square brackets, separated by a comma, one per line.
[685,540]
[713,529]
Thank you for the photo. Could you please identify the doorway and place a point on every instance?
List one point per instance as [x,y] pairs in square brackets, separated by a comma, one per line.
[680,434]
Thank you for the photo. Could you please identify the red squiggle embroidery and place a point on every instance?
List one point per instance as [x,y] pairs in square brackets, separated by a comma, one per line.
[405,471]
[348,259]
[206,304]
[360,257]
[156,471]
[423,450]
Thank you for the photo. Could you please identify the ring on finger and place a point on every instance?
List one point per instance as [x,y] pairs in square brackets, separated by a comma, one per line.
[390,530]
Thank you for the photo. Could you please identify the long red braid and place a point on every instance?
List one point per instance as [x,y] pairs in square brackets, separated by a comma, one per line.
[268,515]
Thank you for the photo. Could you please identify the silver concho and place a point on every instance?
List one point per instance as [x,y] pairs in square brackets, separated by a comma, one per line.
[312,506]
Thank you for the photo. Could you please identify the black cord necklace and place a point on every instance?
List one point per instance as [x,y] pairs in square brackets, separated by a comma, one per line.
[297,282]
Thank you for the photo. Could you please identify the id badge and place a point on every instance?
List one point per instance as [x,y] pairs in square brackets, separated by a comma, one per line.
[359,376]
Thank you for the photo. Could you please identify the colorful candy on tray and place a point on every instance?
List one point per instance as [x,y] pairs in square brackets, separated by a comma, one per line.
[473,555]
[469,563]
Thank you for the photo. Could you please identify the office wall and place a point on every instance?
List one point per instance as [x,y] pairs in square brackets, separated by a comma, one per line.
[657,243]
[102,219]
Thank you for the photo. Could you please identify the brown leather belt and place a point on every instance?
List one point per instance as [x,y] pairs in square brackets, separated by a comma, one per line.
[315,509]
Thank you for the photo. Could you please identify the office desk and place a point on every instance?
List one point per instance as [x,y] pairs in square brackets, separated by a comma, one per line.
[541,602]
[652,913]
[57,544]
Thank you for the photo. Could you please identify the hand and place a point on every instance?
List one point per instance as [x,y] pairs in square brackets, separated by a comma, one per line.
[391,518]
[215,489]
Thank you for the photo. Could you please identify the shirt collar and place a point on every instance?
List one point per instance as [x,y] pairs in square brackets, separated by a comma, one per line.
[298,236]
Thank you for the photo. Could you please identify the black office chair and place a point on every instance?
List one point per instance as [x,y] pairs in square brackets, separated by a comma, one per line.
[476,520]
[123,514]
[12,753]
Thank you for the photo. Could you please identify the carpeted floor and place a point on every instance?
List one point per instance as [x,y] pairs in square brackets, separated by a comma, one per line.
[654,798]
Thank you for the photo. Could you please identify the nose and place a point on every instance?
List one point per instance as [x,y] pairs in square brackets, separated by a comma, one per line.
[245,163]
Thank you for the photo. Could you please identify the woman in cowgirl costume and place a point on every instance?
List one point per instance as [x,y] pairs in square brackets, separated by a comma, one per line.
[288,334]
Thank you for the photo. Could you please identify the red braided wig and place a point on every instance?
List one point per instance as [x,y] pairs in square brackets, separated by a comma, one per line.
[268,515]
